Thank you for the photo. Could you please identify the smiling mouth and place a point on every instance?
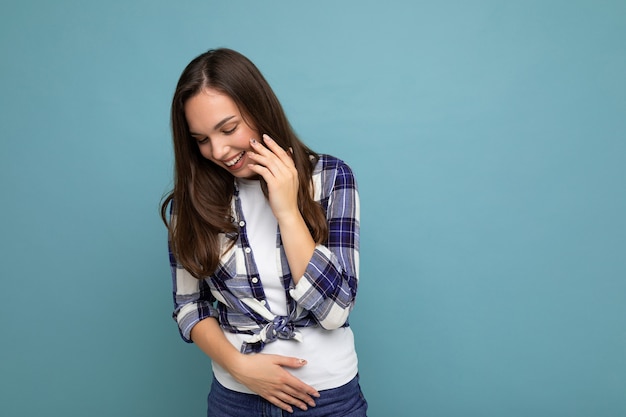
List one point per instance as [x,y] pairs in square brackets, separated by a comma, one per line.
[233,161]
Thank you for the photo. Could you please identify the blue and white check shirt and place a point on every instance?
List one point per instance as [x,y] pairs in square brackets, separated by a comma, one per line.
[324,295]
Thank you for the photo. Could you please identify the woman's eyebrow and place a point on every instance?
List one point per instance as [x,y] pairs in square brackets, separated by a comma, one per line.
[221,123]
[217,126]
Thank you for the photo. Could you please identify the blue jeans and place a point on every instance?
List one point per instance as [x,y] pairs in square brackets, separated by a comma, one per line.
[344,401]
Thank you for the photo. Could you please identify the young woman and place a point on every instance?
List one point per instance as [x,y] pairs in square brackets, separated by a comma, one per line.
[264,248]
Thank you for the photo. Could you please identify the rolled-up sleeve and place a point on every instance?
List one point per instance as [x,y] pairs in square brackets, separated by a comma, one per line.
[329,285]
[193,300]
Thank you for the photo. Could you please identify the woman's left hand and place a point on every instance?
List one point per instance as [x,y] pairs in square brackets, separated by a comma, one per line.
[278,169]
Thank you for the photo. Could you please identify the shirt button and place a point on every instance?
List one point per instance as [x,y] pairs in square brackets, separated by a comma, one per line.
[255,280]
[242,223]
[248,250]
[263,302]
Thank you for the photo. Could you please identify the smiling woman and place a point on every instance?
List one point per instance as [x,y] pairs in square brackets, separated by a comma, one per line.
[264,239]
[223,135]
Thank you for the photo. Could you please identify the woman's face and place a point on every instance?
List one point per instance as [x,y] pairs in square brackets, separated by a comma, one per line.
[222,134]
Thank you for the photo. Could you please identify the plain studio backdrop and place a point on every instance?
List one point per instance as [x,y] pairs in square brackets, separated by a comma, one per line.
[489,142]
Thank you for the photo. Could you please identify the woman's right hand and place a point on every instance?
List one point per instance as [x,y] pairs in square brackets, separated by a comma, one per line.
[263,374]
[266,375]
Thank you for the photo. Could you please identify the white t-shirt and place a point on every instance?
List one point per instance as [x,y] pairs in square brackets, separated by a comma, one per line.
[330,354]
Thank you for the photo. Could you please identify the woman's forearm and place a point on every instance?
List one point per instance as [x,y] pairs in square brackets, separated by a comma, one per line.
[263,374]
[298,244]
[208,336]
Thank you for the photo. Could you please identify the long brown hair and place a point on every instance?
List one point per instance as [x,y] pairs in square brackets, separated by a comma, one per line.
[202,193]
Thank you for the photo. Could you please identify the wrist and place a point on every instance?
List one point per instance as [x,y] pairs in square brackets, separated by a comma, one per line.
[289,217]
[236,366]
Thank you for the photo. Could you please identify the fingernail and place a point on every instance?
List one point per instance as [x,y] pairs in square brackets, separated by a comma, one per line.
[302,361]
[266,137]
[253,140]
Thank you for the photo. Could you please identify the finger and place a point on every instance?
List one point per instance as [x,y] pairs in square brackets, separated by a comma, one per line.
[286,400]
[271,149]
[262,171]
[259,148]
[277,149]
[300,390]
[271,144]
[298,398]
[291,362]
[280,404]
[275,166]
[268,158]
[290,397]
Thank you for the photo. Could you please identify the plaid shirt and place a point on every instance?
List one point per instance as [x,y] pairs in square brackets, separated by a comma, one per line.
[324,295]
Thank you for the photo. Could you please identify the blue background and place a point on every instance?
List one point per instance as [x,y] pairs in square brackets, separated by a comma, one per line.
[489,141]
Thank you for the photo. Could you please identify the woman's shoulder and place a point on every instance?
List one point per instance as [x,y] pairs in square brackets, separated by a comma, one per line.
[331,173]
[328,163]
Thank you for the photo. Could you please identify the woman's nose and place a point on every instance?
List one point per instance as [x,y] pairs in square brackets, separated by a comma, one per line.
[219,148]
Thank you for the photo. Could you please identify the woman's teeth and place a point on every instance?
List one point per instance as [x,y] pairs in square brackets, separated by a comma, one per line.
[234,160]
